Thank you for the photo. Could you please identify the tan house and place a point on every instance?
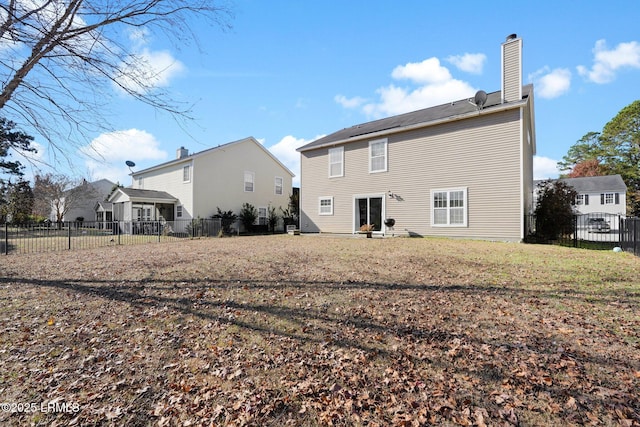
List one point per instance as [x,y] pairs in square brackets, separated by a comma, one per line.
[462,169]
[195,185]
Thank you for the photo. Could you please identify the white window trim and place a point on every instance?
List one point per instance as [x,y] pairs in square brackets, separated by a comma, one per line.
[275,183]
[465,207]
[188,168]
[179,211]
[606,198]
[341,151]
[320,199]
[386,155]
[265,210]
[253,181]
[356,227]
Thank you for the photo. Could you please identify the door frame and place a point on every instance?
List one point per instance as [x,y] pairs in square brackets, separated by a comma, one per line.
[356,228]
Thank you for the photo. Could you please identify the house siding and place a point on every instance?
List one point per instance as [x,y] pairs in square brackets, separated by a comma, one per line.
[170,179]
[221,177]
[482,154]
[511,62]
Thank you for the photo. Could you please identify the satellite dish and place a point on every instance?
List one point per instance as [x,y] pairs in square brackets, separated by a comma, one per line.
[480,99]
[130,164]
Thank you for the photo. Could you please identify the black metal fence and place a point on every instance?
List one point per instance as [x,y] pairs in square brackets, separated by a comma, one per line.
[47,237]
[630,235]
[592,231]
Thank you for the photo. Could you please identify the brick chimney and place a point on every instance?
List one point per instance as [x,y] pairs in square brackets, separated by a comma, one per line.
[512,69]
[181,153]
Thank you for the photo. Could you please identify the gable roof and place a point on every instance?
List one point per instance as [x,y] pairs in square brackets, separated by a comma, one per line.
[595,184]
[147,195]
[209,150]
[456,110]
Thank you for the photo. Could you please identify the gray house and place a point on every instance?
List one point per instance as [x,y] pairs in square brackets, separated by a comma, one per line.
[462,169]
[80,201]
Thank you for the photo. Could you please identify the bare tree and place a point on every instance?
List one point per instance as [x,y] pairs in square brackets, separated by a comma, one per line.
[56,195]
[61,59]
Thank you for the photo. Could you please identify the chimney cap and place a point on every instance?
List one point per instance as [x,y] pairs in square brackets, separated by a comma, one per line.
[512,37]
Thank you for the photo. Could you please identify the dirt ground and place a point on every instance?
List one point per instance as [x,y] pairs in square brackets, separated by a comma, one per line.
[311,330]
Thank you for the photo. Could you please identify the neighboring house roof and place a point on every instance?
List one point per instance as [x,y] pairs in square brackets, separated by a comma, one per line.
[105,206]
[595,184]
[209,150]
[456,110]
[138,194]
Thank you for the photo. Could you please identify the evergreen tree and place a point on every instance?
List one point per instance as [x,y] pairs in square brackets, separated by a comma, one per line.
[555,213]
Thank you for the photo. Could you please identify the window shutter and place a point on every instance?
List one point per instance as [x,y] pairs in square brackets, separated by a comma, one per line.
[602,199]
[586,199]
[617,198]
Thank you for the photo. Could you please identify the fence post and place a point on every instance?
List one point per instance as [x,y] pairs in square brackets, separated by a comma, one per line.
[158,226]
[6,238]
[69,234]
[575,231]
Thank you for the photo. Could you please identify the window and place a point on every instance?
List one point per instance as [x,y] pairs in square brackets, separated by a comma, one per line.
[179,211]
[336,162]
[582,199]
[262,216]
[326,206]
[278,189]
[186,173]
[249,178]
[378,156]
[449,207]
[610,199]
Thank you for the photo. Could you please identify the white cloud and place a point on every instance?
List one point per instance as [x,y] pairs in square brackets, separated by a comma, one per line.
[105,156]
[469,62]
[285,151]
[551,83]
[428,71]
[433,84]
[396,100]
[544,167]
[149,69]
[608,62]
[354,102]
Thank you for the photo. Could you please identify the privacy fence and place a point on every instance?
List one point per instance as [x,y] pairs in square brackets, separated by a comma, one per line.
[31,238]
[592,231]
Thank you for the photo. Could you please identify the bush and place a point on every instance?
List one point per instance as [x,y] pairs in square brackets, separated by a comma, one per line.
[227,218]
[248,216]
[272,218]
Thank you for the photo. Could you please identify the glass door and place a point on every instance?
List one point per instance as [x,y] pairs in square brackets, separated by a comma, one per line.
[368,210]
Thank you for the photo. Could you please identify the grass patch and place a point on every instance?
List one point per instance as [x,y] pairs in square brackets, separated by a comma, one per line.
[277,330]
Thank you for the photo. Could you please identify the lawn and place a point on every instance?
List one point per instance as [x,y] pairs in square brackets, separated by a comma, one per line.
[311,330]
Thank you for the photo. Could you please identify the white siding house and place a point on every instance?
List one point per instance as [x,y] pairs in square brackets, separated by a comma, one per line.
[599,194]
[462,169]
[195,185]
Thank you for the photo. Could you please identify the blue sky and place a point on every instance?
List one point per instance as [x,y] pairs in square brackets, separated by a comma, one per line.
[289,72]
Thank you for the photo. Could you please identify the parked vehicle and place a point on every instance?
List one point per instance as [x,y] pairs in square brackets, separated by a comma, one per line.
[598,225]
